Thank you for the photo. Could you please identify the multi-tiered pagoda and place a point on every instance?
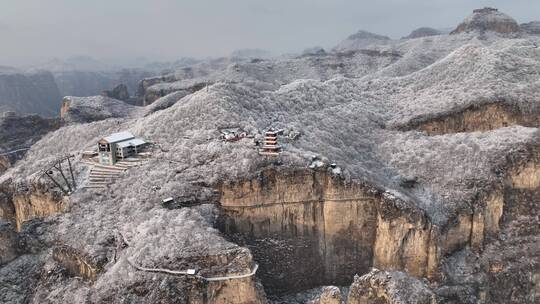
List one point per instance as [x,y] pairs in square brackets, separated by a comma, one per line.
[270,146]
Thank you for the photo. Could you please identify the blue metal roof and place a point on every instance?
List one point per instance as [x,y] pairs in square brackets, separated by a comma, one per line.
[118,137]
[131,142]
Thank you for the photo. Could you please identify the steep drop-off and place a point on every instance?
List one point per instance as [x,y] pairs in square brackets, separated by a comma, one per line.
[310,228]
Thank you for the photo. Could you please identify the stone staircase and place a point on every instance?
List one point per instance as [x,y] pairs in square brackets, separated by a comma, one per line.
[102,176]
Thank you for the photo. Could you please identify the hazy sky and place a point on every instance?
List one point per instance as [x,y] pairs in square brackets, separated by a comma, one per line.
[36,30]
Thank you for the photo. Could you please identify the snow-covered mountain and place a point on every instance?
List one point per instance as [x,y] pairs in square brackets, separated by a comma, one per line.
[418,157]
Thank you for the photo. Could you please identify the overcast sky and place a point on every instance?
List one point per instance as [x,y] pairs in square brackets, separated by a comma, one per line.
[37,30]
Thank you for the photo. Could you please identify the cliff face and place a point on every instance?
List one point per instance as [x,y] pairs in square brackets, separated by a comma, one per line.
[37,203]
[477,118]
[309,229]
[29,93]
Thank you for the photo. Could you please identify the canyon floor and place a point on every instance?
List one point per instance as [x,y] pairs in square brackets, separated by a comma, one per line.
[409,173]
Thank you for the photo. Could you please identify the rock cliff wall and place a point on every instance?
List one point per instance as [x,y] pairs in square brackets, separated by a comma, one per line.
[476,118]
[309,228]
[36,203]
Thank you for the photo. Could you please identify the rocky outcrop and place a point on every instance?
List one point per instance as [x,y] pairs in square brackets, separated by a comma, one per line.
[488,19]
[531,28]
[328,295]
[423,32]
[119,92]
[146,83]
[475,118]
[361,40]
[384,287]
[95,108]
[29,92]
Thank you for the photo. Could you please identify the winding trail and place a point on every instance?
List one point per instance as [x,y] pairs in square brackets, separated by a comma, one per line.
[186,272]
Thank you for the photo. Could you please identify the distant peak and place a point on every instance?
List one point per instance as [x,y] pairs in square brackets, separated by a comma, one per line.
[531,28]
[488,19]
[367,35]
[423,32]
[361,40]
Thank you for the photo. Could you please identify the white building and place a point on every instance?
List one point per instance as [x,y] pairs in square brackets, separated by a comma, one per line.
[119,146]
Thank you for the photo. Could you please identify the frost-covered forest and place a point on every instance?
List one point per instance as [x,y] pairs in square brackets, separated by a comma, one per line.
[348,106]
